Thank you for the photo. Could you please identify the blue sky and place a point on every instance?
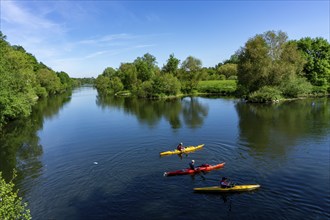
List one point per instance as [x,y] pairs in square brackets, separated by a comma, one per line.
[82,38]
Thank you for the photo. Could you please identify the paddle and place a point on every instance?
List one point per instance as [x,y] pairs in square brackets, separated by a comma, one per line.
[202,175]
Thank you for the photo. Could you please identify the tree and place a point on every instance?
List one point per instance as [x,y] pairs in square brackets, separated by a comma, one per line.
[190,73]
[65,79]
[317,54]
[171,66]
[233,58]
[252,69]
[23,80]
[49,80]
[102,83]
[128,75]
[109,72]
[116,85]
[11,205]
[267,60]
[145,66]
[17,80]
[228,70]
[166,84]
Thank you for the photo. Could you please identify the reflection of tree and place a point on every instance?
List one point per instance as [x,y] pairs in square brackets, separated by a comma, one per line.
[193,112]
[152,111]
[19,142]
[282,124]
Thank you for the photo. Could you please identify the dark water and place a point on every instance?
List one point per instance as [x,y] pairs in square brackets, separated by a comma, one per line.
[90,157]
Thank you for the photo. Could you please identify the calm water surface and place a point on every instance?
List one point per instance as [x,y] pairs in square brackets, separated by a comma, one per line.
[85,156]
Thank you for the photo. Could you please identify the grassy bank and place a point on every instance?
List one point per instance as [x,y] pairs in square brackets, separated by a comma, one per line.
[223,87]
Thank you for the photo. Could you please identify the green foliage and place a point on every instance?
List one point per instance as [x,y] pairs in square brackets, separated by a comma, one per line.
[266,94]
[267,60]
[17,94]
[83,81]
[252,70]
[11,205]
[66,81]
[171,66]
[102,83]
[146,67]
[296,87]
[145,90]
[49,80]
[217,86]
[317,54]
[128,74]
[190,73]
[209,74]
[109,72]
[165,85]
[24,80]
[228,70]
[234,59]
[320,90]
[232,78]
[116,85]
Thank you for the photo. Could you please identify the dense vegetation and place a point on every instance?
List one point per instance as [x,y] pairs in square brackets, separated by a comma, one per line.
[143,78]
[270,67]
[24,80]
[267,68]
[85,81]
[11,205]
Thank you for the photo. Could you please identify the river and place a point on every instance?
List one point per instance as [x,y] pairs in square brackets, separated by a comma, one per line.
[85,156]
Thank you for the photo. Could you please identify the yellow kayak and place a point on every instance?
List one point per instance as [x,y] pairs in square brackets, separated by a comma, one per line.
[218,189]
[186,150]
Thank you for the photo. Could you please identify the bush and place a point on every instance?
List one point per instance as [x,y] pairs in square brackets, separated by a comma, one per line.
[11,206]
[265,94]
[296,87]
[232,78]
[145,90]
[320,90]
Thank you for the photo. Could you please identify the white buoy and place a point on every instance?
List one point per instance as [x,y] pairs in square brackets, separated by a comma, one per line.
[95,162]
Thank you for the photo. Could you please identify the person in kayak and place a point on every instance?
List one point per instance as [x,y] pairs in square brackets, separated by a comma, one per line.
[180,147]
[224,183]
[192,165]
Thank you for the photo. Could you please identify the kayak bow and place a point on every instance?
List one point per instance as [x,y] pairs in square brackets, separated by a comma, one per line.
[186,150]
[202,168]
[218,189]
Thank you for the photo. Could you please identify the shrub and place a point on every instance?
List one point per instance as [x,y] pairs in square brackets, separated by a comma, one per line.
[296,87]
[11,206]
[265,94]
[320,90]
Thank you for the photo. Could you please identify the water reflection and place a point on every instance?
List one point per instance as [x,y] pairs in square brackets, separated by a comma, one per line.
[282,124]
[19,141]
[188,110]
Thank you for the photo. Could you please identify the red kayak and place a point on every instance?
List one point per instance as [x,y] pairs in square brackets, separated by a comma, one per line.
[202,168]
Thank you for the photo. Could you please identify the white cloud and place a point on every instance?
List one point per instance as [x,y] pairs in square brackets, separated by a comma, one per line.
[44,31]
[112,38]
[14,14]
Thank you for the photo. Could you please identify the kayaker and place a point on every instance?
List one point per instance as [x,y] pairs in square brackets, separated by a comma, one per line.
[192,165]
[224,183]
[180,147]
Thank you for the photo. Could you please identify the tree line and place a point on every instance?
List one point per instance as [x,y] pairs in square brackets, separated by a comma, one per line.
[143,78]
[269,67]
[24,80]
